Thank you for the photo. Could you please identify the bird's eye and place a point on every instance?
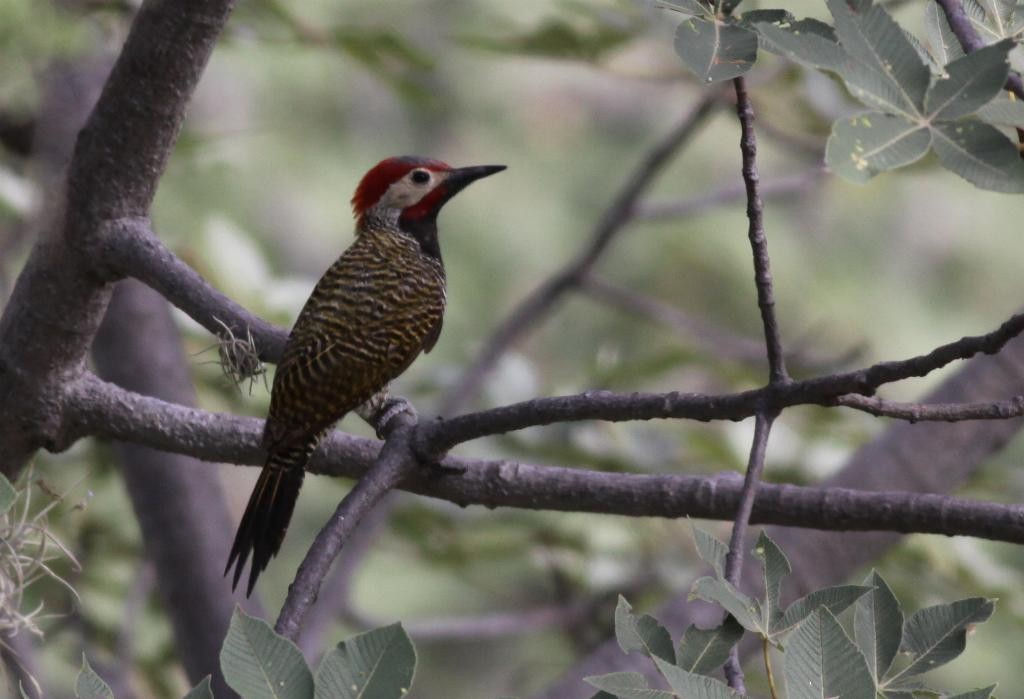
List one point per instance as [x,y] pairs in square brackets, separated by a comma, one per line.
[420,176]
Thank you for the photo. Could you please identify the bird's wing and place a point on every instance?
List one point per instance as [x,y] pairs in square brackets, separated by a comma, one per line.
[319,380]
[435,332]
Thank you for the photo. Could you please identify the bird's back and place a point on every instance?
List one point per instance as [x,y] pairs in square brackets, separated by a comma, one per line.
[374,310]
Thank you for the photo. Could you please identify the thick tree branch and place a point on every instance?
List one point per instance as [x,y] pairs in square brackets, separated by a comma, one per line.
[57,304]
[132,249]
[110,412]
[224,438]
[544,298]
[124,147]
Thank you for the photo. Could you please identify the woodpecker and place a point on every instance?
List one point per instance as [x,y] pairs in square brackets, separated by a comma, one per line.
[371,314]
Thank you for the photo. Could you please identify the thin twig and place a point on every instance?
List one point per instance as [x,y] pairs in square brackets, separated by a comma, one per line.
[741,522]
[755,466]
[773,347]
[391,467]
[536,306]
[335,599]
[758,239]
[935,412]
[440,435]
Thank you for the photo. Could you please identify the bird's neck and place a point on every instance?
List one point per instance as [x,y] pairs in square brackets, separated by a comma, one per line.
[422,230]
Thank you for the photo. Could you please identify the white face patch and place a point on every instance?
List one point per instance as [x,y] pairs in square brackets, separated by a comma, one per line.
[407,191]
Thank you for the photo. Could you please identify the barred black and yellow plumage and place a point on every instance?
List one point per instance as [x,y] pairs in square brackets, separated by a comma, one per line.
[371,314]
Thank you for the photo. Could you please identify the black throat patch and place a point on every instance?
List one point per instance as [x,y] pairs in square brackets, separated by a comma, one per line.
[424,230]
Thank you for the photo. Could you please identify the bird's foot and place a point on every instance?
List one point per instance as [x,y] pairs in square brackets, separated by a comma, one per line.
[390,408]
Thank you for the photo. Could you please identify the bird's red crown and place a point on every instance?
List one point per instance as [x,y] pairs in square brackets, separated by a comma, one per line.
[385,173]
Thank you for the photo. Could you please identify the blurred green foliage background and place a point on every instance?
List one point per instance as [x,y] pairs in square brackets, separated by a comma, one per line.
[300,99]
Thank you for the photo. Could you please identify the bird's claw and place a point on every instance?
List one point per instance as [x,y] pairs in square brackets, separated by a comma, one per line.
[389,409]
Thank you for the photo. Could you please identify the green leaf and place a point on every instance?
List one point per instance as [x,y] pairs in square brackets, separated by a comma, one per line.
[691,686]
[882,69]
[994,19]
[807,41]
[89,685]
[907,685]
[936,635]
[975,693]
[822,662]
[711,550]
[973,80]
[259,664]
[923,52]
[878,626]
[746,610]
[714,49]
[201,690]
[693,8]
[835,599]
[1003,110]
[705,650]
[627,685]
[642,633]
[979,153]
[941,38]
[776,567]
[865,144]
[378,664]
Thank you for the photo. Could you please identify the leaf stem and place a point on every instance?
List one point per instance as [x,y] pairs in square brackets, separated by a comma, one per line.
[768,668]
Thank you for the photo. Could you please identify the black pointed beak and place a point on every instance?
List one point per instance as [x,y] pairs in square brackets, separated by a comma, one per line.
[460,177]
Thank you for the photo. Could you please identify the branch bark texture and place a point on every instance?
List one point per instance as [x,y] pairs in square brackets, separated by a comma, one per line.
[113,413]
[55,309]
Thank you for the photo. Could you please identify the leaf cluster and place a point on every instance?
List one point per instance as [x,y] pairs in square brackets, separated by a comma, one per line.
[920,96]
[258,663]
[884,658]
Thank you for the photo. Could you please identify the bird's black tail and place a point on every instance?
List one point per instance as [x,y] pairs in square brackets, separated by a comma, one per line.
[266,517]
